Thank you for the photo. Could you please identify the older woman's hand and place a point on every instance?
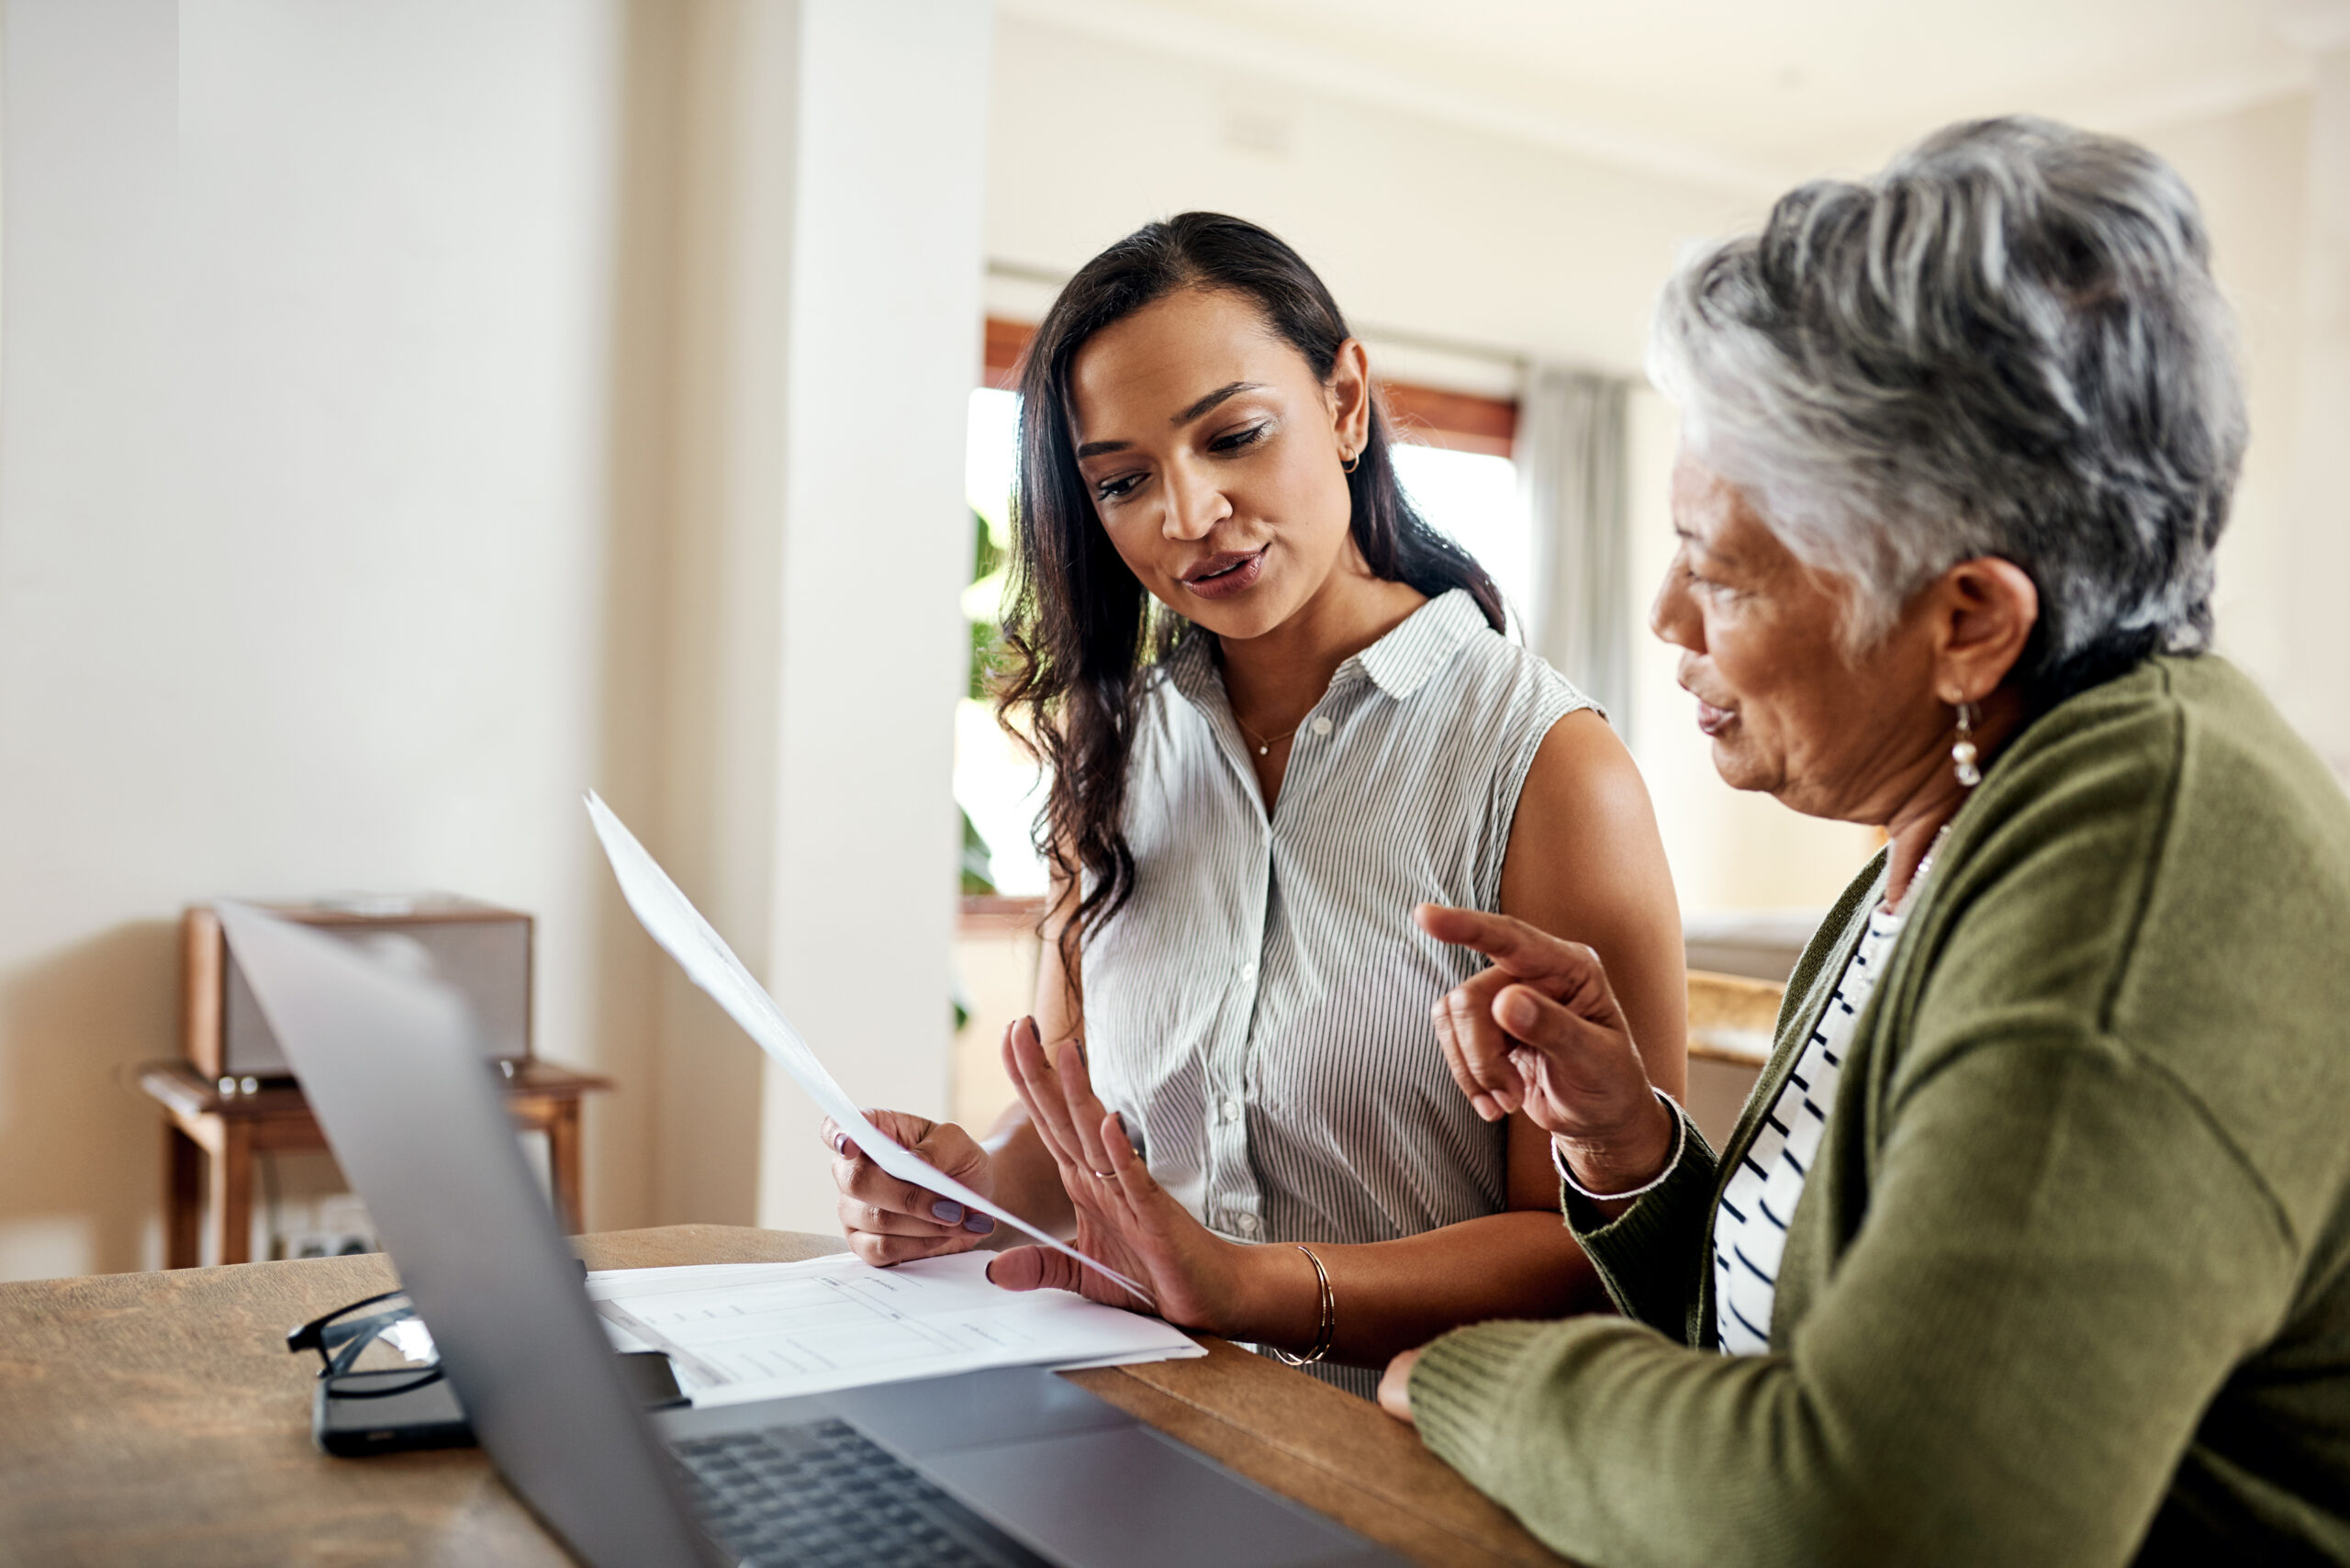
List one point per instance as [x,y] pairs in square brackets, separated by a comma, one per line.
[1541,1032]
[1395,1387]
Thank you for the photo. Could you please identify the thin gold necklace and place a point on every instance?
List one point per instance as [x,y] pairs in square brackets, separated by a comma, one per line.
[1265,747]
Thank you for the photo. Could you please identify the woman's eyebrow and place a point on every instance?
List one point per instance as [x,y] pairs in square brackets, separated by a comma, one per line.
[1704,544]
[1231,390]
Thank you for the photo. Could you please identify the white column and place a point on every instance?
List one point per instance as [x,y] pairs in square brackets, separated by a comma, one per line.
[881,333]
[826,273]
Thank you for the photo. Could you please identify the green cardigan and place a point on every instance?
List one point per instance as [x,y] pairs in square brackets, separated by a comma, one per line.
[2070,1279]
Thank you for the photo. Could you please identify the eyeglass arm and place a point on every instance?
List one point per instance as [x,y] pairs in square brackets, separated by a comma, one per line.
[312,1336]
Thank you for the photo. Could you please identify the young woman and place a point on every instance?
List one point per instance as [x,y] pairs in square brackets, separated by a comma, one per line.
[1279,713]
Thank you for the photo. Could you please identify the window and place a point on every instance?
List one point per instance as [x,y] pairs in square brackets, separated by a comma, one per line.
[1473,497]
[997,785]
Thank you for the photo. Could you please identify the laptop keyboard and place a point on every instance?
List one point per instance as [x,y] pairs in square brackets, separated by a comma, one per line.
[823,1494]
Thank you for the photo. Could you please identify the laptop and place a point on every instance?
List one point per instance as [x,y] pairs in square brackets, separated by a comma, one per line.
[1006,1466]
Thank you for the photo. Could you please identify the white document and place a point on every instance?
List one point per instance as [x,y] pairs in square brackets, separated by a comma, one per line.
[739,1332]
[673,922]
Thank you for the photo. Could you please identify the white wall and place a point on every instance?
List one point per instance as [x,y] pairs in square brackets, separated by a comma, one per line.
[884,349]
[86,489]
[845,261]
[301,520]
[414,415]
[2248,169]
[1412,223]
[2318,557]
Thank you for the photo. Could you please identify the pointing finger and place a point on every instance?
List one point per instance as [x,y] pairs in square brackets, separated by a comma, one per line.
[1524,950]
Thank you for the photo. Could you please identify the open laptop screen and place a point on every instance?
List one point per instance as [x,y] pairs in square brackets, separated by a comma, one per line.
[391,1071]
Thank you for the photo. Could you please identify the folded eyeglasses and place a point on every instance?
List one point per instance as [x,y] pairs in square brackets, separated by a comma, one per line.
[365,1348]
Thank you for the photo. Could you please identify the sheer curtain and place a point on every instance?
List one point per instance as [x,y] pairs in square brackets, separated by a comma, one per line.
[1571,459]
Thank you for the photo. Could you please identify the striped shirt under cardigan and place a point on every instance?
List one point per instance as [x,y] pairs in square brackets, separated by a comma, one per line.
[1750,1232]
[1259,1010]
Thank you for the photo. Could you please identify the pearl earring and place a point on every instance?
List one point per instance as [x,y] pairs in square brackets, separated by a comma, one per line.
[1963,754]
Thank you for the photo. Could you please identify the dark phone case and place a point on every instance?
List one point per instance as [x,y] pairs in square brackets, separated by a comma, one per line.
[428,1417]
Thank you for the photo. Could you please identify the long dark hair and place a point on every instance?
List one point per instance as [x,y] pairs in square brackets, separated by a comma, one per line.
[1082,638]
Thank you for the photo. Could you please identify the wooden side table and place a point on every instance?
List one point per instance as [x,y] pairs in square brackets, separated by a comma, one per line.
[210,1139]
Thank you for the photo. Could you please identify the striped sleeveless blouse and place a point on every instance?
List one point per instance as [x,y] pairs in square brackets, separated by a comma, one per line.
[1258,1011]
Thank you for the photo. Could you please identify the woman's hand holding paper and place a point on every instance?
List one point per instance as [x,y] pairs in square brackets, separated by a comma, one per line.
[890,1221]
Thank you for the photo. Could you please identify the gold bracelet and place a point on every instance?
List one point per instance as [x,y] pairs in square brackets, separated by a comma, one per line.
[1328,1331]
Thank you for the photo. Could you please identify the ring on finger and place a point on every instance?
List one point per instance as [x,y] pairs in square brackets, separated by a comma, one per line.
[1107,1175]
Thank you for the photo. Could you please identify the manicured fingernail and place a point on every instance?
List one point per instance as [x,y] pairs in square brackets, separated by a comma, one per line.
[1519,1012]
[840,1143]
[947,1210]
[980,1225]
[1484,1105]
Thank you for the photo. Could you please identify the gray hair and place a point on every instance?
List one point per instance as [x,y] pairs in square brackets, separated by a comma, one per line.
[2007,343]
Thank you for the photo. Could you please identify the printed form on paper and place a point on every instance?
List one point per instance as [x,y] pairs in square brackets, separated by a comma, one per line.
[740,1332]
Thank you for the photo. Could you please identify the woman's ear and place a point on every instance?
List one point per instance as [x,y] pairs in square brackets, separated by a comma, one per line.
[1984,611]
[1350,398]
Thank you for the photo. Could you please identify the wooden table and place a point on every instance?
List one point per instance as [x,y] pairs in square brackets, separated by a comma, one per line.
[157,1419]
[210,1139]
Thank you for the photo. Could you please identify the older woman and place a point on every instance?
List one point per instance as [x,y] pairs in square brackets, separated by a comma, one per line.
[2033,1243]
